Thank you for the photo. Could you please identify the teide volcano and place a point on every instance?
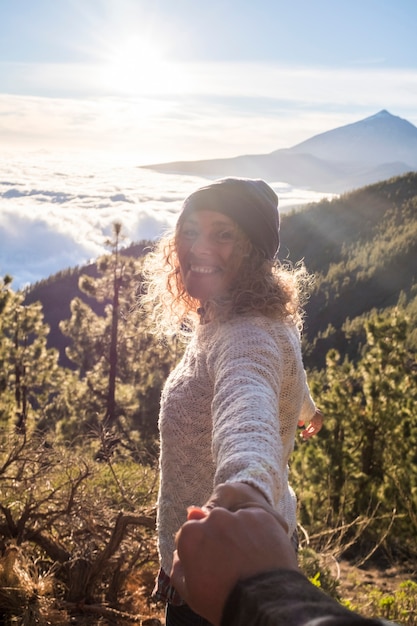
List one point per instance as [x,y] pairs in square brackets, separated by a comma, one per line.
[373,149]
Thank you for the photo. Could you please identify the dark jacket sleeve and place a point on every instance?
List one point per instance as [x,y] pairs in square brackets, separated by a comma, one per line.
[286,598]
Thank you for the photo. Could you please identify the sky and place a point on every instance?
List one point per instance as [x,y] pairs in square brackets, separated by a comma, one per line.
[150,81]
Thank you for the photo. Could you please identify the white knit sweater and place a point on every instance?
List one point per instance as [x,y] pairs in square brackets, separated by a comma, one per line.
[229,413]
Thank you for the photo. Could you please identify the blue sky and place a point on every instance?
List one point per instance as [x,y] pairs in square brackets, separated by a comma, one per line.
[162,80]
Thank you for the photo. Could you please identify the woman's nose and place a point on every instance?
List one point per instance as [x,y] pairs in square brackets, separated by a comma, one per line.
[201,245]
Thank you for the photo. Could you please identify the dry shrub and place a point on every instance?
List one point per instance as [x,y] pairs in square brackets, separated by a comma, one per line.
[74,533]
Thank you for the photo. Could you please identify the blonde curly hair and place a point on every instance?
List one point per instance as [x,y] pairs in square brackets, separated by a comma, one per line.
[272,288]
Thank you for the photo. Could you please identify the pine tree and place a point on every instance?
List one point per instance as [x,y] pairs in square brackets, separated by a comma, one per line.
[30,377]
[364,463]
[121,367]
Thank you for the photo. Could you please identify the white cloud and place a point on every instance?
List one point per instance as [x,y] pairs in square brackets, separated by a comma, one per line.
[211,110]
[56,214]
[326,87]
[220,79]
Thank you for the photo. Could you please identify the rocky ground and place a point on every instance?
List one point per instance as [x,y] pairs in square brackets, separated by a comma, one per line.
[354,579]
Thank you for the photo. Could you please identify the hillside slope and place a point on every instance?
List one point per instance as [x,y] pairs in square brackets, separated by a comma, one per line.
[362,248]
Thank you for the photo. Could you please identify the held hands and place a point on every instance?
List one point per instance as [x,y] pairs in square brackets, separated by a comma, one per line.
[236,496]
[217,548]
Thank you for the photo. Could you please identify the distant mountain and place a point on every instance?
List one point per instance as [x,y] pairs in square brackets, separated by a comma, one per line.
[339,160]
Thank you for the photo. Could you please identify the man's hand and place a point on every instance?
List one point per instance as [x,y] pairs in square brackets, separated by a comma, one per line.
[216,549]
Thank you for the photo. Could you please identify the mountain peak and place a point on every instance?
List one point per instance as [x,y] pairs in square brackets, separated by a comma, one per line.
[383,116]
[379,139]
[383,113]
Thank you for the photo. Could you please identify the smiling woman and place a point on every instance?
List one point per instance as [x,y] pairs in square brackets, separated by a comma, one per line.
[229,410]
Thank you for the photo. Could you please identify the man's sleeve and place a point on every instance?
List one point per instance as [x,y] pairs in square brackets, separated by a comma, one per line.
[286,598]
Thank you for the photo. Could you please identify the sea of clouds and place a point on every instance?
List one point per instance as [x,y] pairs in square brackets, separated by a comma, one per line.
[57,212]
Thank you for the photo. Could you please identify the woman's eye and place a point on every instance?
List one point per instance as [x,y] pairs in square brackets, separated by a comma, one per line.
[226,235]
[189,233]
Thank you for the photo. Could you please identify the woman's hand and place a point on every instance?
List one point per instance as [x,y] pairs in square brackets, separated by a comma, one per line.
[314,426]
[236,496]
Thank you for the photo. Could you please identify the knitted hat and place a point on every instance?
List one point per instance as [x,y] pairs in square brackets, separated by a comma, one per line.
[251,203]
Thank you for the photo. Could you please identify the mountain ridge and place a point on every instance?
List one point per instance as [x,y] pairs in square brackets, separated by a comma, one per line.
[342,159]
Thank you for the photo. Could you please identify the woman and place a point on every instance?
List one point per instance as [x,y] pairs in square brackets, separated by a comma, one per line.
[229,410]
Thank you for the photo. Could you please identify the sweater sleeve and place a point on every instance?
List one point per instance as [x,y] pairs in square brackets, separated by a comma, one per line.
[286,598]
[252,438]
[308,408]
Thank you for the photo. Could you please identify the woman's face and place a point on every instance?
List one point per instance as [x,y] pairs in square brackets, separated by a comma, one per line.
[210,252]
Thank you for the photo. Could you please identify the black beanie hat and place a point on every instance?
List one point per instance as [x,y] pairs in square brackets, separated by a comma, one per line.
[251,203]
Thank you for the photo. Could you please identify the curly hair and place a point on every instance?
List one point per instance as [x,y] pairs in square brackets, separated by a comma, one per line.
[272,288]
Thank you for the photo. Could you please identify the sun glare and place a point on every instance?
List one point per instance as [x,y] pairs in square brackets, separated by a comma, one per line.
[137,67]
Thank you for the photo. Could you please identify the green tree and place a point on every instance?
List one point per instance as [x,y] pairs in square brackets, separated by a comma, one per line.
[30,378]
[367,464]
[120,365]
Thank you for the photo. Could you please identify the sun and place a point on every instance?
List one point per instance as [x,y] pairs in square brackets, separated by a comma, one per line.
[136,66]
